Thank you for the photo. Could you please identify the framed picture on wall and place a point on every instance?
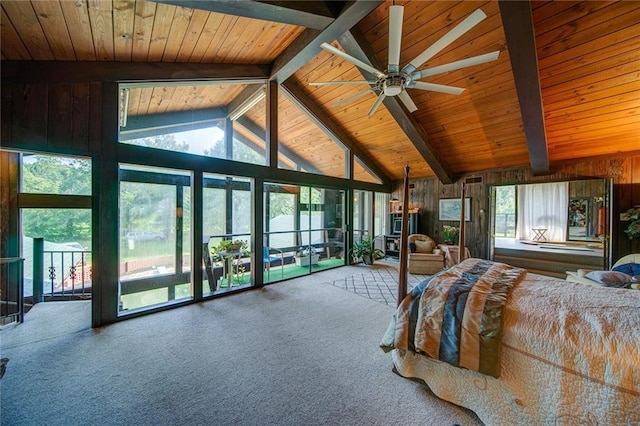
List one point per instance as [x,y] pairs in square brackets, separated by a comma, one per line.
[449,209]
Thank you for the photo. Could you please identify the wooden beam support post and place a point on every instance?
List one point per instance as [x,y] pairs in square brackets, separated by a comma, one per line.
[307,45]
[521,41]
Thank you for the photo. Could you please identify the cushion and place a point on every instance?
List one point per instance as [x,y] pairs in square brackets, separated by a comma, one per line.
[412,247]
[610,278]
[632,269]
[424,246]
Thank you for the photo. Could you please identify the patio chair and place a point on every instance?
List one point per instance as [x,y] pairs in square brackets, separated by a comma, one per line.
[272,257]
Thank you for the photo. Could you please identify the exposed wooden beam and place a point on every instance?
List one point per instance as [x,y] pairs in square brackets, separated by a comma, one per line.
[82,72]
[142,126]
[307,45]
[517,21]
[354,43]
[310,14]
[248,93]
[331,128]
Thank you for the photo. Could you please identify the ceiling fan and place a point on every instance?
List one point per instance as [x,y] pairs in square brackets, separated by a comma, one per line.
[396,80]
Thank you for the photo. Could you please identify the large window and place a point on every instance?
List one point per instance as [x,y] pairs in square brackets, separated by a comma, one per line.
[227,234]
[220,120]
[154,237]
[61,235]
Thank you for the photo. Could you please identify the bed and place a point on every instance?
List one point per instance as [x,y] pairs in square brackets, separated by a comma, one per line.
[564,353]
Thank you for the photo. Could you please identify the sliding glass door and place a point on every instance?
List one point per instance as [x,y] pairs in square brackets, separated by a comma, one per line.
[303,230]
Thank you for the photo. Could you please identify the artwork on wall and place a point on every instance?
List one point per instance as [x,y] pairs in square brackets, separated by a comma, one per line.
[449,209]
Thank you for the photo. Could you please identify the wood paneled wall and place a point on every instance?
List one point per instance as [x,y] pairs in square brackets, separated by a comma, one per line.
[425,193]
[63,118]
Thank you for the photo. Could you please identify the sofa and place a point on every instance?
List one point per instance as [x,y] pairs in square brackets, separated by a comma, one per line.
[425,258]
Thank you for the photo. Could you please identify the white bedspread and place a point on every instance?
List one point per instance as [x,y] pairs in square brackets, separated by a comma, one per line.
[570,355]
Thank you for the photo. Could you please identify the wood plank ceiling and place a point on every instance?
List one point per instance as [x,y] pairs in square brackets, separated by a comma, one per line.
[588,60]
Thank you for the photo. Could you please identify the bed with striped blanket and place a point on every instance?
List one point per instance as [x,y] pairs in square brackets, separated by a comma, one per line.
[520,348]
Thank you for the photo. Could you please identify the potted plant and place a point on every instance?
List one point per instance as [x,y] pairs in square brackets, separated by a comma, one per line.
[305,257]
[450,234]
[364,250]
[230,246]
[633,229]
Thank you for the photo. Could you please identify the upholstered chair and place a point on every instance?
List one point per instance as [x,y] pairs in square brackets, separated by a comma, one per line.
[425,258]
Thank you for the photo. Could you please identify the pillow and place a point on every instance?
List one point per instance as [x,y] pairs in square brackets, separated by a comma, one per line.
[610,278]
[425,246]
[632,269]
[412,247]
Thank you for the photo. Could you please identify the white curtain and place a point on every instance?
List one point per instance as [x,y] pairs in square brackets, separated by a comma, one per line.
[543,205]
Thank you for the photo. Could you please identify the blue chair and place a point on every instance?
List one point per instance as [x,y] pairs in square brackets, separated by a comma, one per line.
[272,257]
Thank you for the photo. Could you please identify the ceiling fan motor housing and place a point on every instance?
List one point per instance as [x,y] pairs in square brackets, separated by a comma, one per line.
[393,85]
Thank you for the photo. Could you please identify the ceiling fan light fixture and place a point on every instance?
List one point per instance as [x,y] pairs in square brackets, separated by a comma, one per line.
[393,85]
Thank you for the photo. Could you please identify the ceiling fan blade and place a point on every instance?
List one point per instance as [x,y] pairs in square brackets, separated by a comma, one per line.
[432,87]
[407,101]
[395,37]
[329,83]
[457,31]
[352,98]
[475,60]
[354,61]
[377,104]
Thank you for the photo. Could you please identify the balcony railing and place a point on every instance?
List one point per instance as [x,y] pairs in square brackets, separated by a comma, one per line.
[11,284]
[60,274]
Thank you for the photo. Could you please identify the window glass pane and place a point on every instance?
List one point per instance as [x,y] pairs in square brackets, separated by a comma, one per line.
[155,231]
[304,146]
[361,173]
[208,141]
[66,235]
[505,220]
[303,237]
[249,135]
[227,217]
[192,119]
[49,174]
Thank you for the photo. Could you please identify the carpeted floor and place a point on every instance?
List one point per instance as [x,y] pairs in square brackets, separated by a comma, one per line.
[297,352]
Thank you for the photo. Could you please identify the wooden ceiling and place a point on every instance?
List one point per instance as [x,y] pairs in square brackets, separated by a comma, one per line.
[585,103]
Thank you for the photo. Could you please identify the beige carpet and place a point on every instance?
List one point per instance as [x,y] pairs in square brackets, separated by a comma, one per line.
[298,352]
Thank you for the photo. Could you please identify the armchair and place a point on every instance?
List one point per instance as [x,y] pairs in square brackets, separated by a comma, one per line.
[425,257]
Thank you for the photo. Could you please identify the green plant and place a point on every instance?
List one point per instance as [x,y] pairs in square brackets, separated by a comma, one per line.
[633,229]
[364,250]
[230,246]
[450,232]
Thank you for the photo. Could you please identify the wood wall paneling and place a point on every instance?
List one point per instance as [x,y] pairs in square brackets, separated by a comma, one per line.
[623,171]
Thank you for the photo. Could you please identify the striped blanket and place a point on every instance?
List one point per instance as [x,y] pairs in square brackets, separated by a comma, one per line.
[456,315]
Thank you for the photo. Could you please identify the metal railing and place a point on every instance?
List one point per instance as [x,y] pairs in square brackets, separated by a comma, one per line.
[60,274]
[11,289]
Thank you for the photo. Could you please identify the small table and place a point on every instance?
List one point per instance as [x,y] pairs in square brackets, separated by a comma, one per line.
[451,254]
[228,265]
[538,234]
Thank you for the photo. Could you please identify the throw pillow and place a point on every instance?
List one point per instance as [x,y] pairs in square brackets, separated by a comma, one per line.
[632,269]
[412,247]
[425,246]
[610,278]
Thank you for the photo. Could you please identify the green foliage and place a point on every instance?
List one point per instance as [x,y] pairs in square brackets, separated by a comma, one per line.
[46,174]
[450,233]
[633,229]
[506,199]
[364,250]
